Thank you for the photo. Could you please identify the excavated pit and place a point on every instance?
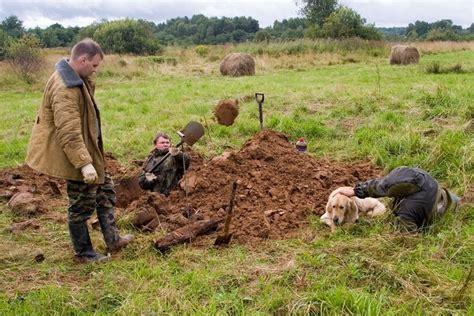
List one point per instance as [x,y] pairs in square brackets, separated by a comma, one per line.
[278,189]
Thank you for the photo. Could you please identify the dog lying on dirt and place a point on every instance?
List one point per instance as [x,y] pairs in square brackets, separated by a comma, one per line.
[341,209]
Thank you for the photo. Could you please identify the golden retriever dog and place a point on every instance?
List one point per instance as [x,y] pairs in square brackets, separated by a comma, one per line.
[341,209]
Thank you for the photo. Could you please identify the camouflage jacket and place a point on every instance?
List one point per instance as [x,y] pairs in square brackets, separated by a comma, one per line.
[417,197]
[167,174]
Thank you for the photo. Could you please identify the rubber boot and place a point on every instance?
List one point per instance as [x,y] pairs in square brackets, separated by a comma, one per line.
[81,241]
[110,231]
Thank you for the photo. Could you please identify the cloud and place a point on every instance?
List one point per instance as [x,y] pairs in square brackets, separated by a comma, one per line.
[81,13]
[403,12]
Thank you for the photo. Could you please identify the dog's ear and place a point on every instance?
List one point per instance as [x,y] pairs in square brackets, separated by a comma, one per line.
[353,210]
[328,206]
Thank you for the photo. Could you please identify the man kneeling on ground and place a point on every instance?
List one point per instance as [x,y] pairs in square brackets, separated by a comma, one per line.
[166,177]
[418,199]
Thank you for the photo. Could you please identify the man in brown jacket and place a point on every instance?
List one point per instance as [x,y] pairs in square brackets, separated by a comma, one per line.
[66,142]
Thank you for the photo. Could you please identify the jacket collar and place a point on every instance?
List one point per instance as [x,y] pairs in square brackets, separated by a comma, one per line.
[69,76]
[159,152]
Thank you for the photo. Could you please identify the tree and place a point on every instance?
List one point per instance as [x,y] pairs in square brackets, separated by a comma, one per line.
[127,37]
[317,11]
[345,23]
[5,41]
[439,34]
[420,29]
[13,26]
[471,28]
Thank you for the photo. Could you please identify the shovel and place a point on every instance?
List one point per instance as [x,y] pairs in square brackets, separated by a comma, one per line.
[190,134]
[260,97]
[225,238]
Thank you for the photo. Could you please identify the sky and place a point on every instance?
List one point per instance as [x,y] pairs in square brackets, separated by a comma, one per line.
[382,13]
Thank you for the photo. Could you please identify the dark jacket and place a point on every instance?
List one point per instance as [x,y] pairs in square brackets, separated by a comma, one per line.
[167,174]
[417,197]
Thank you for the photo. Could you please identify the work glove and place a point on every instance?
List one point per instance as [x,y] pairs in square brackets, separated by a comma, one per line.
[150,177]
[174,151]
[89,173]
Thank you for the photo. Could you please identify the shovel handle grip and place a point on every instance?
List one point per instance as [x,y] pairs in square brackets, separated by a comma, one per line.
[259,97]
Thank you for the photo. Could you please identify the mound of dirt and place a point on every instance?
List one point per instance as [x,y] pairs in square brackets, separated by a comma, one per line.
[278,189]
[30,193]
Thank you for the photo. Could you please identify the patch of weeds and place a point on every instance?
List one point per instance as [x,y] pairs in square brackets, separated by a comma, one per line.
[158,60]
[300,126]
[349,60]
[105,73]
[440,104]
[213,58]
[436,68]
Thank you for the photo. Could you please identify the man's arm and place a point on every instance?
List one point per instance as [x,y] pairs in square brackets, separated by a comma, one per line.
[401,182]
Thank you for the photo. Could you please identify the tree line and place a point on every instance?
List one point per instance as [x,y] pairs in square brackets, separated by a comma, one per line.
[320,19]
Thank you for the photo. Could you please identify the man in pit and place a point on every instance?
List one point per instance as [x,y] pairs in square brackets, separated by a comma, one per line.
[166,177]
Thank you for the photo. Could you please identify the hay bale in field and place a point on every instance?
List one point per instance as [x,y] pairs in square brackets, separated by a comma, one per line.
[238,64]
[404,55]
[226,111]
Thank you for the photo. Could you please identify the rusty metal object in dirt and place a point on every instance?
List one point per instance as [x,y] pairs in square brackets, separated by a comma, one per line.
[190,134]
[186,233]
[226,237]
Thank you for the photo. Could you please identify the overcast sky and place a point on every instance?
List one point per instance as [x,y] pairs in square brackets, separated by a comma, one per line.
[383,13]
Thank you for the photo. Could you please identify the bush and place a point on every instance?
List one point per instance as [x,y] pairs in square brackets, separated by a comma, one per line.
[24,56]
[127,37]
[262,36]
[202,50]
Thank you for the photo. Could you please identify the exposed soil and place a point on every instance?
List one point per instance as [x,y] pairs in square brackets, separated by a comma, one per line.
[226,111]
[278,189]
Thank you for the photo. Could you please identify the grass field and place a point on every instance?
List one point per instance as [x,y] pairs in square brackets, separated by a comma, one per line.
[348,104]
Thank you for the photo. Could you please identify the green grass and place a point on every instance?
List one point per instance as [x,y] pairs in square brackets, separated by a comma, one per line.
[367,110]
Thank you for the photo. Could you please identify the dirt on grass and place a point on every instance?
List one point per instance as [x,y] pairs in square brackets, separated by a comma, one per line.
[278,190]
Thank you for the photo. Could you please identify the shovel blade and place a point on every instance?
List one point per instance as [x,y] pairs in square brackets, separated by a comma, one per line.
[191,133]
[223,240]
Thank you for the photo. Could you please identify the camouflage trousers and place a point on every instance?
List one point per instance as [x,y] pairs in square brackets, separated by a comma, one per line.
[83,199]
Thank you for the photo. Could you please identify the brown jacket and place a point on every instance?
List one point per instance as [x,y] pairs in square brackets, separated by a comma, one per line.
[67,133]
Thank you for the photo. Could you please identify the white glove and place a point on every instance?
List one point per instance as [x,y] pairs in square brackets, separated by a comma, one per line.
[174,151]
[89,173]
[150,177]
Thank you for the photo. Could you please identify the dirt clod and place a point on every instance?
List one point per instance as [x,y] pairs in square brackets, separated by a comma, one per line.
[226,111]
[16,228]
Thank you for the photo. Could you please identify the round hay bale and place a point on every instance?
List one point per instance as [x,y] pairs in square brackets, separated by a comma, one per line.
[226,111]
[238,64]
[404,55]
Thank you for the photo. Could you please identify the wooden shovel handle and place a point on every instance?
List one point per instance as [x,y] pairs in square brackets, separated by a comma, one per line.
[231,207]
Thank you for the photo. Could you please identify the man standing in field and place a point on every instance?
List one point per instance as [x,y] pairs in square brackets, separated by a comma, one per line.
[166,177]
[66,142]
[418,199]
